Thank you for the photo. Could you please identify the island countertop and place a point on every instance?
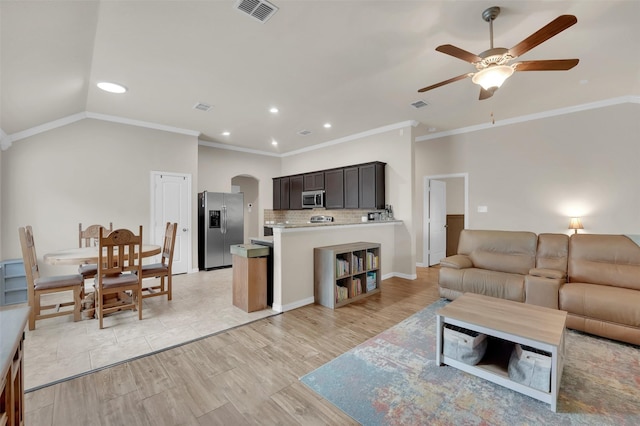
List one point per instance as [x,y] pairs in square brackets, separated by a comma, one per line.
[12,323]
[297,225]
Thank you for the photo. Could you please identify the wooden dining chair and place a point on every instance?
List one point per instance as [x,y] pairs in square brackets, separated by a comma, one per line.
[38,286]
[119,271]
[89,238]
[161,270]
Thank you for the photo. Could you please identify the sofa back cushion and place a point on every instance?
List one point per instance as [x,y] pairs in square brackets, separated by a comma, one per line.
[604,259]
[553,252]
[504,251]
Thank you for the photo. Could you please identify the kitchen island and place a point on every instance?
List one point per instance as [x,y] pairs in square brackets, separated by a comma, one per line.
[293,246]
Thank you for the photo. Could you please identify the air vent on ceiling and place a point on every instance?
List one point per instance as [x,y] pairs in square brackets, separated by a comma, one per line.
[202,107]
[304,132]
[258,9]
[419,104]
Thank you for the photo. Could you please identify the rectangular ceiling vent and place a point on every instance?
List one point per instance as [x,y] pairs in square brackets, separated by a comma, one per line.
[202,107]
[258,9]
[304,132]
[419,104]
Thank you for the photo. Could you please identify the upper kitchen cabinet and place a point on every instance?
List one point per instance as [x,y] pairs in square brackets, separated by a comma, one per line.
[314,181]
[371,186]
[276,194]
[295,192]
[334,189]
[351,187]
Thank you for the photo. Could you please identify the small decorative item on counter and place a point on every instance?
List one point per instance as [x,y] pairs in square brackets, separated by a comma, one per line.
[464,345]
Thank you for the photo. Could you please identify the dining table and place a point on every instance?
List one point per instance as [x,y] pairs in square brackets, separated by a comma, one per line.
[79,256]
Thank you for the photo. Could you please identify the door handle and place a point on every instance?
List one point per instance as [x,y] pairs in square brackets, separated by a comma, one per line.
[445,226]
[184,229]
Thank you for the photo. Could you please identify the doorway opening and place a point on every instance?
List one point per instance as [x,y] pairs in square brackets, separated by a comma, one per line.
[249,186]
[443,207]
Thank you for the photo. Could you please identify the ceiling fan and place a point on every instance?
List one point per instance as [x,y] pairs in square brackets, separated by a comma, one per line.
[493,66]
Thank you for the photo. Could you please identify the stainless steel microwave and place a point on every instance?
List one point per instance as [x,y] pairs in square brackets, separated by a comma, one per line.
[312,199]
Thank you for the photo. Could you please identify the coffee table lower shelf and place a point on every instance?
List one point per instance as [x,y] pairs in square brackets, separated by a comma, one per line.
[471,312]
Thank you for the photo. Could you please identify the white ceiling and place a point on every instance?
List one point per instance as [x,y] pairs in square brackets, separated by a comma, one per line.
[355,64]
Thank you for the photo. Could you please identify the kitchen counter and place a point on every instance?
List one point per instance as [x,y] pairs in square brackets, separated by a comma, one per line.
[331,224]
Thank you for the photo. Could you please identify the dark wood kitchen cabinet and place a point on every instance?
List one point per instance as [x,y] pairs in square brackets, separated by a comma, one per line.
[371,186]
[351,190]
[334,189]
[314,181]
[276,194]
[295,192]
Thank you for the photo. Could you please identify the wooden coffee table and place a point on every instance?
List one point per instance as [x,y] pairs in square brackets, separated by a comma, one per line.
[530,325]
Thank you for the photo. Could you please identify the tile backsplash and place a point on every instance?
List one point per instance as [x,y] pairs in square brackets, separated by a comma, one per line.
[303,216]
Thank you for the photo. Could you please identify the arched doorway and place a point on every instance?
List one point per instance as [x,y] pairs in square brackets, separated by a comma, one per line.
[248,185]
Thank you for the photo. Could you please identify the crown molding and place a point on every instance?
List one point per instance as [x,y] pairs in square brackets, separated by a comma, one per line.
[237,148]
[376,131]
[139,123]
[5,141]
[536,116]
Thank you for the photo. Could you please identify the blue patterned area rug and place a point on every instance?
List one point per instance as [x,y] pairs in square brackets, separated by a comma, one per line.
[392,379]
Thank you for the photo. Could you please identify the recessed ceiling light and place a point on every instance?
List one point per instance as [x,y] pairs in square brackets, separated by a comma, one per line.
[226,133]
[111,87]
[274,143]
[273,110]
[327,125]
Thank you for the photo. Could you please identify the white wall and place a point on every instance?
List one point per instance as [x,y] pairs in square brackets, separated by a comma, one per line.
[249,187]
[216,168]
[535,175]
[394,147]
[90,171]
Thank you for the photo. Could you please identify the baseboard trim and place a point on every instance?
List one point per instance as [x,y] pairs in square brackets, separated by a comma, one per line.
[295,305]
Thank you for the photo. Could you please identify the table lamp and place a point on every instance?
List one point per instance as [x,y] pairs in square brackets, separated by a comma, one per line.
[575,224]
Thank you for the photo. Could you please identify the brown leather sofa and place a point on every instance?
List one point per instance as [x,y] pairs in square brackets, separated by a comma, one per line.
[499,264]
[602,295]
[595,278]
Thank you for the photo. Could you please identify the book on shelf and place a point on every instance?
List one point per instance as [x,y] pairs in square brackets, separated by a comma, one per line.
[372,260]
[358,265]
[342,293]
[342,267]
[355,288]
[372,281]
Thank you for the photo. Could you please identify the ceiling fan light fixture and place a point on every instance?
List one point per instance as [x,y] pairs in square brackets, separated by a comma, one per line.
[493,76]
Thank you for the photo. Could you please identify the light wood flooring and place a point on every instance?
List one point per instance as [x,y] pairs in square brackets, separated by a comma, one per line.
[247,375]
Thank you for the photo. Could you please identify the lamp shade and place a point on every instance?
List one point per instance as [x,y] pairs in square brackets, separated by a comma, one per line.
[575,223]
[492,77]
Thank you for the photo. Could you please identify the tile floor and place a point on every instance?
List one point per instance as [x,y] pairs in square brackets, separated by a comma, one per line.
[202,305]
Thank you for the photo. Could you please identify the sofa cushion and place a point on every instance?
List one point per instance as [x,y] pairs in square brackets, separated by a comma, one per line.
[609,304]
[553,251]
[480,281]
[505,251]
[610,260]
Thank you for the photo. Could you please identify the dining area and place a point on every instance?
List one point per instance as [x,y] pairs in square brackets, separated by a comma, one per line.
[111,275]
[139,307]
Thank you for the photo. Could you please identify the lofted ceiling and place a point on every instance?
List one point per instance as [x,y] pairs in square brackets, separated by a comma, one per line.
[354,64]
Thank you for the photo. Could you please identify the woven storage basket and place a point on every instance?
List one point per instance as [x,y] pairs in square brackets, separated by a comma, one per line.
[464,345]
[530,367]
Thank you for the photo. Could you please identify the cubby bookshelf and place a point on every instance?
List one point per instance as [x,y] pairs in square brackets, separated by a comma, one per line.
[345,273]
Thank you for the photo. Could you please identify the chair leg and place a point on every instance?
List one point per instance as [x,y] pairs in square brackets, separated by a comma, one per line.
[168,287]
[139,297]
[32,314]
[77,304]
[98,303]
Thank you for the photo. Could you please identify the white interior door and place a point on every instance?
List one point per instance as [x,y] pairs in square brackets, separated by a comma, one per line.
[171,202]
[437,221]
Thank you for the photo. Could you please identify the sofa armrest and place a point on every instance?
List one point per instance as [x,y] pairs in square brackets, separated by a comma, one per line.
[457,261]
[542,291]
[548,273]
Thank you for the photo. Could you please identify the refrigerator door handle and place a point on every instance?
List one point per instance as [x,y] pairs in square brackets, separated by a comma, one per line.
[224,219]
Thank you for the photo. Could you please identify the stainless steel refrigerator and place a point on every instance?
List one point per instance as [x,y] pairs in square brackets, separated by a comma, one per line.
[220,225]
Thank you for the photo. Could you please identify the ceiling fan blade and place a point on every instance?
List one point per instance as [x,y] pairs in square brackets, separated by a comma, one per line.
[456,52]
[546,65]
[485,94]
[554,27]
[442,83]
